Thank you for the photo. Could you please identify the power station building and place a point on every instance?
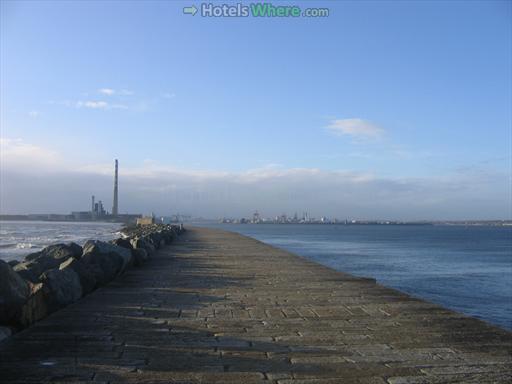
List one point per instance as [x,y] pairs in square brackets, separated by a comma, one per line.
[98,212]
[97,209]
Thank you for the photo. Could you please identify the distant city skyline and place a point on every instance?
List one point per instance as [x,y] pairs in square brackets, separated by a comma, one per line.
[383,110]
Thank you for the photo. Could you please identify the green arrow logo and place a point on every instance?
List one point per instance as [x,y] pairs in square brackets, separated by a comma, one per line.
[190,10]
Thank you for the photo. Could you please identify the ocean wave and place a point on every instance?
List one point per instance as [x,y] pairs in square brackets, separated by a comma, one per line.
[26,246]
[9,245]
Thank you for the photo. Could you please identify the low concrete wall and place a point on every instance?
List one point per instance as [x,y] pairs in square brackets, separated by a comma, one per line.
[61,274]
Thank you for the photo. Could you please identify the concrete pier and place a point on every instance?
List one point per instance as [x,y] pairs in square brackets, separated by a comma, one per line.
[218,307]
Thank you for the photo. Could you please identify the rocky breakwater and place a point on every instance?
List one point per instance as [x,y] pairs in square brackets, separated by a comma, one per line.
[61,274]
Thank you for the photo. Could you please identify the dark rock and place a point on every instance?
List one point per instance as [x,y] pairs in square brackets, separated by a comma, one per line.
[140,256]
[125,243]
[150,245]
[29,271]
[36,306]
[150,248]
[103,267]
[12,263]
[50,257]
[76,249]
[106,260]
[143,243]
[5,332]
[14,293]
[84,272]
[155,238]
[112,249]
[169,237]
[61,287]
[57,251]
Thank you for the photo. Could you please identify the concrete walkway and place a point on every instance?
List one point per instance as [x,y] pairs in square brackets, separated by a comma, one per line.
[217,307]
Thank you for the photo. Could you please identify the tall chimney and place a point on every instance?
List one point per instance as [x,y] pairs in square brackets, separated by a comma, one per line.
[114,206]
[92,206]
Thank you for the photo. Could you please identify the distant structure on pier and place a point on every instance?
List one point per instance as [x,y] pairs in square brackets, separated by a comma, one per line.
[146,220]
[115,211]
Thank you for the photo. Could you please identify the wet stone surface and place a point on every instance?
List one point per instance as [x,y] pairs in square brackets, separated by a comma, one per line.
[217,307]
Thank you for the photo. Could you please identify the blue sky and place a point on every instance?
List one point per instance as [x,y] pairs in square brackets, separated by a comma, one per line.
[403,93]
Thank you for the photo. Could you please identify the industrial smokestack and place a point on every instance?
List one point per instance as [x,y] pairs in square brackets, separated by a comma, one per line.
[92,206]
[114,206]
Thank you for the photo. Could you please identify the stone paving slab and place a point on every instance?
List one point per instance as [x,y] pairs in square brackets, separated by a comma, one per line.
[218,307]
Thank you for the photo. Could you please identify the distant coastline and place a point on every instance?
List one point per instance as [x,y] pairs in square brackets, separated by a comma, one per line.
[130,218]
[494,223]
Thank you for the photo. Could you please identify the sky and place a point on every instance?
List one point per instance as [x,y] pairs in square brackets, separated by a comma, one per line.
[382,110]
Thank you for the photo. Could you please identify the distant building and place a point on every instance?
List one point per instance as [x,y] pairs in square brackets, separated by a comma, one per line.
[97,211]
[58,217]
[81,215]
[146,220]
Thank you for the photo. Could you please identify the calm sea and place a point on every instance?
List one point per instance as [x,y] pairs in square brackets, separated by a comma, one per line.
[468,269]
[19,238]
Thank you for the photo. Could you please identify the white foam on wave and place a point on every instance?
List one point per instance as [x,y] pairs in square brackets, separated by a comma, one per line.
[26,246]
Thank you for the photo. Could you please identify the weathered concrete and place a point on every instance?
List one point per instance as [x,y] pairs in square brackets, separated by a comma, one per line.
[217,307]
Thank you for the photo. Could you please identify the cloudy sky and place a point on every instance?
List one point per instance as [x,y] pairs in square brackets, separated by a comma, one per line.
[382,110]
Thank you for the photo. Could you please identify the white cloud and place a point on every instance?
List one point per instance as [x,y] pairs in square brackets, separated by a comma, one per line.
[38,179]
[167,95]
[106,91]
[356,128]
[33,113]
[20,155]
[112,92]
[99,104]
[92,104]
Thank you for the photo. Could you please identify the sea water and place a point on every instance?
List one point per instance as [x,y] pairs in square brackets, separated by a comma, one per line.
[19,238]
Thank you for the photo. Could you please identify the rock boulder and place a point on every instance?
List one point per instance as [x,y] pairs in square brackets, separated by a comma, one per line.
[143,243]
[5,332]
[125,243]
[84,272]
[107,260]
[36,306]
[14,293]
[61,287]
[29,271]
[50,257]
[140,256]
[57,251]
